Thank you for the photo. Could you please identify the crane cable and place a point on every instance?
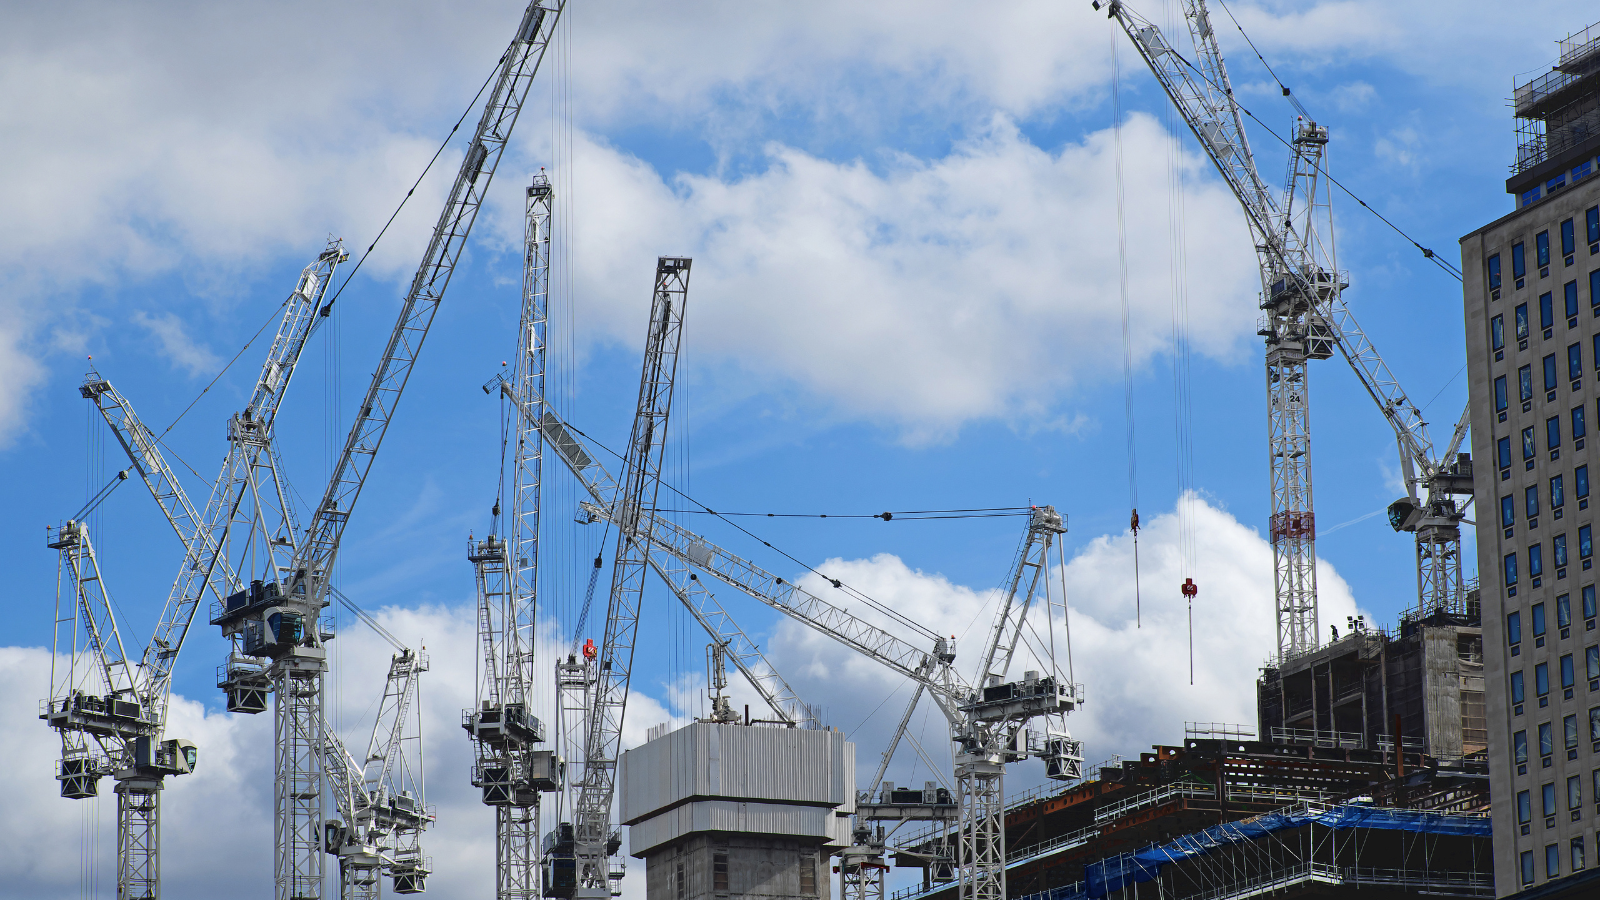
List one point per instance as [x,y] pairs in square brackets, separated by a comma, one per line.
[1127,335]
[1426,252]
[1182,396]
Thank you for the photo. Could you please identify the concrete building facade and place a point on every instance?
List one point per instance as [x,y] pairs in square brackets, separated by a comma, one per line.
[1531,283]
[738,812]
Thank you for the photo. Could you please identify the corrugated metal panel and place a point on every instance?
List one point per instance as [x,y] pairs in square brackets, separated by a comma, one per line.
[817,822]
[704,760]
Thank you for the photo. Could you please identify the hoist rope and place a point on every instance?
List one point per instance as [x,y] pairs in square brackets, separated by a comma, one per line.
[1182,396]
[1127,330]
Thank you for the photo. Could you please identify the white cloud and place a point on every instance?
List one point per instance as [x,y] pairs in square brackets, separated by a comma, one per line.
[217,825]
[930,293]
[181,349]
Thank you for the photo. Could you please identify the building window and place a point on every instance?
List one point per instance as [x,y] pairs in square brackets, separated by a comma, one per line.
[1578,425]
[1594,735]
[1550,377]
[1585,544]
[1531,501]
[1574,792]
[1500,396]
[1580,485]
[1520,317]
[1508,514]
[1528,451]
[1503,451]
[1568,680]
[1558,549]
[1552,433]
[1566,238]
[1519,744]
[1547,312]
[683,886]
[1530,196]
[1535,572]
[1497,332]
[1557,495]
[1556,183]
[1563,612]
[1594,292]
[1516,688]
[1494,272]
[1541,243]
[1511,571]
[1538,620]
[1588,601]
[1547,799]
[1525,383]
[1581,170]
[1527,863]
[1570,294]
[1577,851]
[1552,860]
[1519,258]
[1514,629]
[719,871]
[1574,362]
[1591,662]
[1592,220]
[808,874]
[1541,688]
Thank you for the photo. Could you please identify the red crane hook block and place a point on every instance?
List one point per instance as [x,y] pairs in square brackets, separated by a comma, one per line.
[1190,589]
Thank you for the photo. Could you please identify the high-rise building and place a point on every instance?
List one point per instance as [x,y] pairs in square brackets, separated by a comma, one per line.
[1532,305]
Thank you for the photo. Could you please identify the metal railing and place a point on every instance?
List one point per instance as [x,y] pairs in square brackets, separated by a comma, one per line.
[1153,798]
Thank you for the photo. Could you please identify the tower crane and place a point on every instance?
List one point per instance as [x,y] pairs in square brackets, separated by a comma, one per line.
[279,622]
[509,770]
[984,719]
[1305,318]
[241,485]
[381,800]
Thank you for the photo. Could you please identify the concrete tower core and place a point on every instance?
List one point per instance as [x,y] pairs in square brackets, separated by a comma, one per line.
[728,811]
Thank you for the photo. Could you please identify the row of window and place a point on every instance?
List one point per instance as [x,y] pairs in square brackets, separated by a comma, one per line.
[1549,806]
[1558,500]
[1547,315]
[1530,446]
[1552,185]
[1552,860]
[1558,547]
[1541,687]
[1519,260]
[1563,621]
[1519,744]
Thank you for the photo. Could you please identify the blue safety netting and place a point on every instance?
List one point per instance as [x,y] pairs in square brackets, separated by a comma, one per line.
[1114,873]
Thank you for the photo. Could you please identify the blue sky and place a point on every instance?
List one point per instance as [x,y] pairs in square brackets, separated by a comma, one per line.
[905,296]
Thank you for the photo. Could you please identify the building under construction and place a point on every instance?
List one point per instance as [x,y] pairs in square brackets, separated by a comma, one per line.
[1420,687]
[1223,815]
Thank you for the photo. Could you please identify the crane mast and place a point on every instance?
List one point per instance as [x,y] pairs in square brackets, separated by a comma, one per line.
[636,500]
[503,731]
[281,626]
[1306,318]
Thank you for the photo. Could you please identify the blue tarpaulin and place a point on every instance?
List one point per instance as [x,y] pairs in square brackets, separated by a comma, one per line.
[1107,875]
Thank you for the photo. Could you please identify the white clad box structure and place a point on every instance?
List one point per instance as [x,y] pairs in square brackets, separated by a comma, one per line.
[746,811]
